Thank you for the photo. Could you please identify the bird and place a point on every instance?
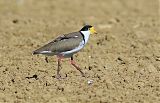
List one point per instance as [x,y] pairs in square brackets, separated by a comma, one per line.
[66,45]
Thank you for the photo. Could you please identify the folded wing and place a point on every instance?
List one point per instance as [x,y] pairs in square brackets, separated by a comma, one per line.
[63,43]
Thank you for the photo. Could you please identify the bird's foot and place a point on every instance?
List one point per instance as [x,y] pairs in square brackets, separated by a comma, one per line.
[59,77]
[83,74]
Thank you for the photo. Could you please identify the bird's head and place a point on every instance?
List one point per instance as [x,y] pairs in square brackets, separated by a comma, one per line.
[89,28]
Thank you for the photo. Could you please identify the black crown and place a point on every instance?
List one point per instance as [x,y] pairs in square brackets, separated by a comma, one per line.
[86,27]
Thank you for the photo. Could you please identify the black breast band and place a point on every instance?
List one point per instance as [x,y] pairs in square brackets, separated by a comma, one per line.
[83,37]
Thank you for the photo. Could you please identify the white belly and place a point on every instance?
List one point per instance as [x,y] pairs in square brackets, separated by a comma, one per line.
[73,51]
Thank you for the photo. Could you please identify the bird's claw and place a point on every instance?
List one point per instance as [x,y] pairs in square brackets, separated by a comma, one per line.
[59,77]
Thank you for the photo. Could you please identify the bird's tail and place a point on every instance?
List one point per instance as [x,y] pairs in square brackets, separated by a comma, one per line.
[35,52]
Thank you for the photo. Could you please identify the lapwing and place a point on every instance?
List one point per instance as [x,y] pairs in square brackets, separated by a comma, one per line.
[66,45]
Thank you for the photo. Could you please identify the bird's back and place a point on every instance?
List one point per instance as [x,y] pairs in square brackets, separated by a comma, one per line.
[63,43]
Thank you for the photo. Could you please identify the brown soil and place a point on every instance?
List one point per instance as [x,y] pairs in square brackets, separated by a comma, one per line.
[123,59]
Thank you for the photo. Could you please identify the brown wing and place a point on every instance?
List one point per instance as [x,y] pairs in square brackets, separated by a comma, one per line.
[61,44]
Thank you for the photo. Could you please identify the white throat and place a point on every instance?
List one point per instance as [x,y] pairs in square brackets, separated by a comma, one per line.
[86,35]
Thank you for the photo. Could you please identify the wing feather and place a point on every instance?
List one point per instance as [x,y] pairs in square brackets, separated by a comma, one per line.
[63,43]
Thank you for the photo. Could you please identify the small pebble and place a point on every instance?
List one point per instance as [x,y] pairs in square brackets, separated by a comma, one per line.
[90,82]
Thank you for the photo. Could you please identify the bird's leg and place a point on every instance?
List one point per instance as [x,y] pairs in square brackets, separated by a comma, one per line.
[74,64]
[59,68]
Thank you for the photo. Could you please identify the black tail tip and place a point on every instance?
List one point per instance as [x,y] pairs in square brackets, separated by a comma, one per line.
[34,53]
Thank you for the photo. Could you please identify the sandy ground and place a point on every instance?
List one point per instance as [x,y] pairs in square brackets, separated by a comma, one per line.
[123,59]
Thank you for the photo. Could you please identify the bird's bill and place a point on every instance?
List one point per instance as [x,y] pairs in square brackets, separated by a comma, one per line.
[92,30]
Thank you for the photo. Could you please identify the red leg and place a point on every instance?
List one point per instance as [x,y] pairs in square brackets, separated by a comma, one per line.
[59,66]
[74,64]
